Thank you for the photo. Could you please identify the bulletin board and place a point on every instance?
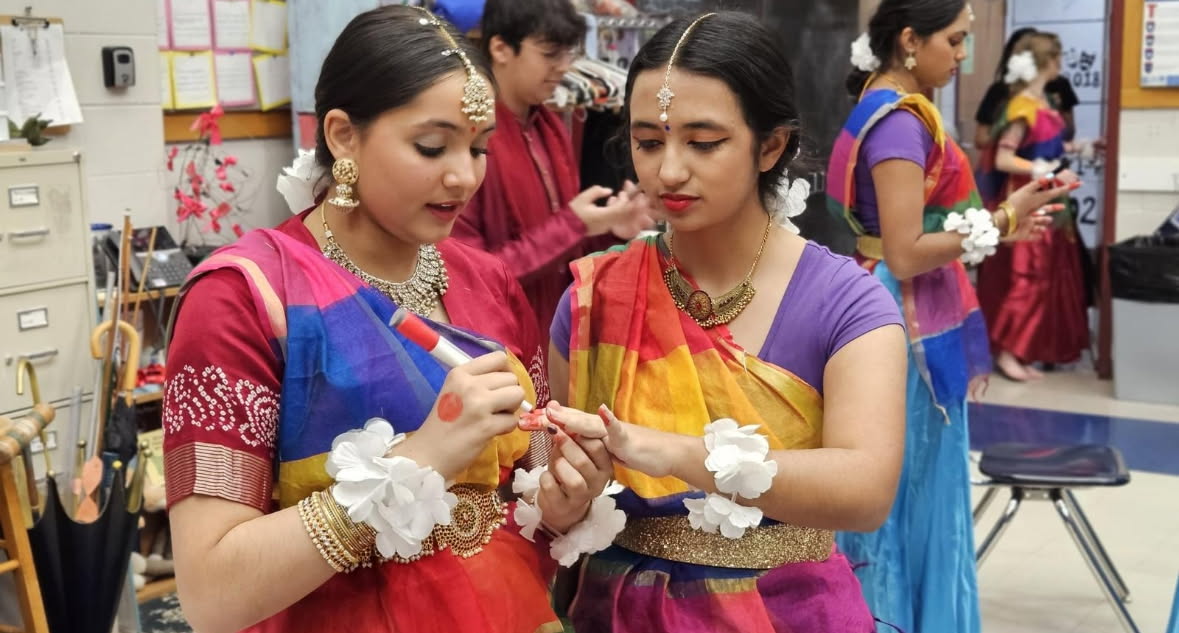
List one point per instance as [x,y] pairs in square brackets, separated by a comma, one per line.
[228,53]
[1134,96]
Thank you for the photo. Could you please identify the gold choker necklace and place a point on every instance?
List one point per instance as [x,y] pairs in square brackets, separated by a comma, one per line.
[418,294]
[699,305]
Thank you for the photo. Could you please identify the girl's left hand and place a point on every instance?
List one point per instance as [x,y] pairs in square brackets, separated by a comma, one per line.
[631,445]
[579,469]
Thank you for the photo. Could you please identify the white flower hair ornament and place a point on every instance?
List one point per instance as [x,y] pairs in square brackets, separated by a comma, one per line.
[297,183]
[790,201]
[1021,67]
[862,56]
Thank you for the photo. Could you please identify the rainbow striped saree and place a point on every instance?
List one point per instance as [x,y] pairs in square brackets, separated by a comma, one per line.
[632,350]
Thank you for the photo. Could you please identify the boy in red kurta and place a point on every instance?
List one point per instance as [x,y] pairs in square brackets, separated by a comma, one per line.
[531,211]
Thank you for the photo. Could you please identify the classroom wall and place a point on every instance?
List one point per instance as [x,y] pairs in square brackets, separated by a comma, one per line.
[1148,170]
[122,136]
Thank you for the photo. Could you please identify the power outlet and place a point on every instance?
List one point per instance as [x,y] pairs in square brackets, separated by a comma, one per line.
[36,446]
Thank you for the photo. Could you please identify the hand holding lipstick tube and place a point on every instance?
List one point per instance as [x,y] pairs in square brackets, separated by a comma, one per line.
[441,348]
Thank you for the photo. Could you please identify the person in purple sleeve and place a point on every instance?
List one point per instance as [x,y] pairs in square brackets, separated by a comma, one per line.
[729,344]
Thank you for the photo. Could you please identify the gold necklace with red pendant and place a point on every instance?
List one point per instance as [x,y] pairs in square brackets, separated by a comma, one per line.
[702,307]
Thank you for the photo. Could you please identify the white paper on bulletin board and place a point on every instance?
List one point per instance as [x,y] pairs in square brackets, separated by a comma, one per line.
[167,101]
[192,27]
[274,80]
[163,33]
[235,79]
[1160,44]
[193,84]
[268,26]
[231,24]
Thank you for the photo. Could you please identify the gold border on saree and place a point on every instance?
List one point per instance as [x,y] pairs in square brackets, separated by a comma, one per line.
[870,246]
[765,547]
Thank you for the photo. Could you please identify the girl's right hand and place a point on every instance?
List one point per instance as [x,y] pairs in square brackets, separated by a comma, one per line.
[478,401]
[1034,197]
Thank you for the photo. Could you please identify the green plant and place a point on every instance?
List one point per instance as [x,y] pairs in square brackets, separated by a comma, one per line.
[33,130]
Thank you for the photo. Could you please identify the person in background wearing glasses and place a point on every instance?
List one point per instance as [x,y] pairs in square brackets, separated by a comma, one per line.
[531,211]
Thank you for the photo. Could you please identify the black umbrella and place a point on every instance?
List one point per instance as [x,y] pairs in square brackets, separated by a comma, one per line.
[82,567]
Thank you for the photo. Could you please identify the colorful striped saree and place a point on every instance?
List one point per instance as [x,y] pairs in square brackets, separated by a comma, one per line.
[341,366]
[918,569]
[1033,293]
[634,351]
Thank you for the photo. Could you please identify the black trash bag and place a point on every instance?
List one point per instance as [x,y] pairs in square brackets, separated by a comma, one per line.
[1146,269]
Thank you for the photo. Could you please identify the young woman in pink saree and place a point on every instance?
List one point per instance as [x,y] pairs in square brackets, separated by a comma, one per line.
[324,473]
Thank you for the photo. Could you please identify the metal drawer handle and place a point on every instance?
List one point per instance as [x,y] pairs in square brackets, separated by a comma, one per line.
[42,355]
[41,232]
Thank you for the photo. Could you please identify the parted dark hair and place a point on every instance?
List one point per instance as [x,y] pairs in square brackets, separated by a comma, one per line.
[383,60]
[925,17]
[552,21]
[739,50]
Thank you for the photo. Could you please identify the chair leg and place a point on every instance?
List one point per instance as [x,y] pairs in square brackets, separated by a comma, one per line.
[1000,526]
[28,591]
[1091,557]
[985,502]
[1098,547]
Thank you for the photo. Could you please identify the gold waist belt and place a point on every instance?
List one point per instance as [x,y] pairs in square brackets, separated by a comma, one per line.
[766,547]
[479,513]
[870,246]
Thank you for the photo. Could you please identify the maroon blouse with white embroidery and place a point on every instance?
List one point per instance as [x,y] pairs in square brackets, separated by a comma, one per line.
[223,393]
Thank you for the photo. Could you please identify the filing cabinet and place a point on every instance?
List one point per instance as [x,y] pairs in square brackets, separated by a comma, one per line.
[47,298]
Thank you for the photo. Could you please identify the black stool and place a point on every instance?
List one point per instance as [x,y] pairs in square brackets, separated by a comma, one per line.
[1051,472]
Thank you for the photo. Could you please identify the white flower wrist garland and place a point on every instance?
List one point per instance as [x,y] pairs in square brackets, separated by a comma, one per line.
[1043,168]
[737,457]
[981,236]
[401,500]
[593,534]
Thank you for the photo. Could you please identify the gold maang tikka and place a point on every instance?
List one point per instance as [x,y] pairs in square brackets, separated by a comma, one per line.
[665,95]
[478,103]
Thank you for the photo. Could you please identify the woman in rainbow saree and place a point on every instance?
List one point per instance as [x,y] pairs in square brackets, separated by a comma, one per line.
[281,353]
[1032,293]
[901,183]
[639,338]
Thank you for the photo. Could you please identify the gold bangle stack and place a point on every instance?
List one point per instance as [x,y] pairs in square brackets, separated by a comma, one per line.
[1012,219]
[343,543]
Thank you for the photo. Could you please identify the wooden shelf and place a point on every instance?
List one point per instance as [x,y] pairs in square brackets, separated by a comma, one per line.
[148,398]
[235,125]
[155,589]
[146,296]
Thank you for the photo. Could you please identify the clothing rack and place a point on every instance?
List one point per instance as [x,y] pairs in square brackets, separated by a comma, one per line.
[641,22]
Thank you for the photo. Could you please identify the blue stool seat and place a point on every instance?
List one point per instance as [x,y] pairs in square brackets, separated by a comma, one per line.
[1038,471]
[1049,466]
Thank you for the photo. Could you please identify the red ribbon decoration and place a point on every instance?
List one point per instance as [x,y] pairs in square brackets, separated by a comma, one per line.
[189,207]
[206,124]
